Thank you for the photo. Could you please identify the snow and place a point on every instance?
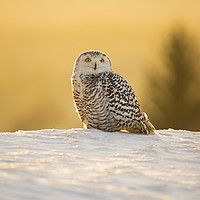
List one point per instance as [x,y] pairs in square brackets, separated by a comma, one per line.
[91,164]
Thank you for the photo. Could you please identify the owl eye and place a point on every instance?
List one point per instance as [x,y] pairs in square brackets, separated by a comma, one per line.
[87,59]
[102,60]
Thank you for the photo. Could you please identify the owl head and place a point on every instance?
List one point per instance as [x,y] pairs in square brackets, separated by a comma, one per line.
[92,62]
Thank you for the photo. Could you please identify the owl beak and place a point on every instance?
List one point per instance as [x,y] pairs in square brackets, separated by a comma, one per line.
[95,66]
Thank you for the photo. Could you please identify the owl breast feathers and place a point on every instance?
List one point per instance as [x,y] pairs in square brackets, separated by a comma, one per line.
[106,101]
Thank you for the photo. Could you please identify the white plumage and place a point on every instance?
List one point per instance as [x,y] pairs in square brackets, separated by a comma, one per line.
[104,100]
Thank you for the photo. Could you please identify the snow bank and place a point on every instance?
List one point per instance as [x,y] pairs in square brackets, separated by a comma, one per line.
[91,164]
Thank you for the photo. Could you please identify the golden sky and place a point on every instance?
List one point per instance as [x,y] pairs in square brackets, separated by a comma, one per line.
[40,40]
[62,13]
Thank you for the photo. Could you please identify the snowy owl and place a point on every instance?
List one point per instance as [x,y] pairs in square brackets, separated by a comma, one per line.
[103,99]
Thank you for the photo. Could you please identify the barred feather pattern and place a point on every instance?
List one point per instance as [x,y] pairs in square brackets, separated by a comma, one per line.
[107,102]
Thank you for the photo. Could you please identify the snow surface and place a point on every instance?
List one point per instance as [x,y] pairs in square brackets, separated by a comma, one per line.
[91,164]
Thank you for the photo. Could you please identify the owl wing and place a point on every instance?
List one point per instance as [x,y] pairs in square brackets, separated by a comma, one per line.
[124,106]
[122,99]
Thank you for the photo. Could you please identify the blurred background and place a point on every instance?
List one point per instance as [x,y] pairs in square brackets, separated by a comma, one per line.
[155,45]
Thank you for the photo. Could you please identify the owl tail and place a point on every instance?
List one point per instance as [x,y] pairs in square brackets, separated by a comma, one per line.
[148,127]
[144,126]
